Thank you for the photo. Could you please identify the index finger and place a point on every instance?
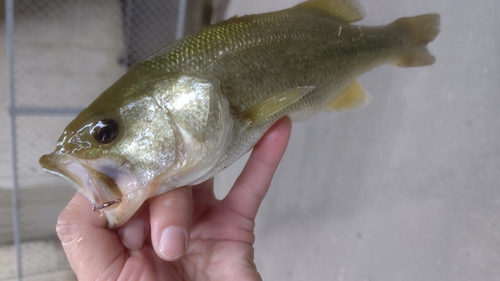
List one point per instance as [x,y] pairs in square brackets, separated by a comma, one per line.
[254,181]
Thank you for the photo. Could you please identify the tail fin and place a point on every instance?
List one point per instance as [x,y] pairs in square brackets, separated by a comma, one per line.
[421,30]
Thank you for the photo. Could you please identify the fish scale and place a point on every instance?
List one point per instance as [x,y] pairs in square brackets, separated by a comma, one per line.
[198,105]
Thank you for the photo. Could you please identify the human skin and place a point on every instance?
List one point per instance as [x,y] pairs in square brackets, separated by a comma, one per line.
[184,234]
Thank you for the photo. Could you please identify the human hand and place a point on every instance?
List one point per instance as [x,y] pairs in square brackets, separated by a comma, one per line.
[184,234]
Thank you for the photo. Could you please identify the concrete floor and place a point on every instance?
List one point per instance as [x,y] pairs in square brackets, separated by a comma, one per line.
[404,189]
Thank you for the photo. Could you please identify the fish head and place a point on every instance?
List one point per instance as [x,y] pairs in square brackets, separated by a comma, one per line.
[138,141]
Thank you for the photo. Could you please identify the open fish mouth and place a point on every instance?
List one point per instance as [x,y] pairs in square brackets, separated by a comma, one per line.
[109,183]
[103,181]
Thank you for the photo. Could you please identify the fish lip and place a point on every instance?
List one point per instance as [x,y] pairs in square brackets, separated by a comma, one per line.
[93,178]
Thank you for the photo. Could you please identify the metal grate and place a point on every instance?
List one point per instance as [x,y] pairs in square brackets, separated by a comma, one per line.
[61,55]
[145,34]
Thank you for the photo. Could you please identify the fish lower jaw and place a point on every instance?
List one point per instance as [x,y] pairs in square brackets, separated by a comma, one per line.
[116,185]
[120,213]
[109,184]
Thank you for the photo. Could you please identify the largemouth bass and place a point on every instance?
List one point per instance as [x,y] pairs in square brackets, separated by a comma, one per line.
[198,105]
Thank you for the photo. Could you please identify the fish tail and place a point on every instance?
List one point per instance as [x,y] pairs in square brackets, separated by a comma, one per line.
[420,31]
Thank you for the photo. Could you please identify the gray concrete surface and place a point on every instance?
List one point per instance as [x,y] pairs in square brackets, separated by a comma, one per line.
[406,188]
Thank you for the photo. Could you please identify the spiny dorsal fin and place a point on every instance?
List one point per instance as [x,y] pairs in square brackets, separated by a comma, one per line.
[272,104]
[355,96]
[348,10]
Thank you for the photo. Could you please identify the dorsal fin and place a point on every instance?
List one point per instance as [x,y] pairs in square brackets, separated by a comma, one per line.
[348,10]
[353,97]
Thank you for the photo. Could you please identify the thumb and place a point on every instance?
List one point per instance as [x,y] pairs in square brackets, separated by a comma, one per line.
[171,215]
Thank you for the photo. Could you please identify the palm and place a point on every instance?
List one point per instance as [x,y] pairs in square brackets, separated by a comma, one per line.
[218,233]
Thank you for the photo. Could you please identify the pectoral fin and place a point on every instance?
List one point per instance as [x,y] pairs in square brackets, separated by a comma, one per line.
[355,96]
[272,104]
[348,10]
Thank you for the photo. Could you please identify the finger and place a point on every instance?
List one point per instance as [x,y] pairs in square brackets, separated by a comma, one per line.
[171,215]
[252,184]
[204,192]
[135,231]
[203,196]
[90,247]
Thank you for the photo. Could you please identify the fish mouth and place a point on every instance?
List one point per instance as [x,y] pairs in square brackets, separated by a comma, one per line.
[108,182]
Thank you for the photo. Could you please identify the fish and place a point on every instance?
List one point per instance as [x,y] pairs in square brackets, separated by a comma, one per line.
[197,105]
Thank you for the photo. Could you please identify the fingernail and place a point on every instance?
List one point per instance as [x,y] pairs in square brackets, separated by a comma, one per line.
[173,242]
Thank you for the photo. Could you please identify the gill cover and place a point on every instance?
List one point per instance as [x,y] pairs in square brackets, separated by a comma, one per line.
[202,121]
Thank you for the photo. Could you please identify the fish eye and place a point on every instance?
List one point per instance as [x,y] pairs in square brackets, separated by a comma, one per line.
[105,131]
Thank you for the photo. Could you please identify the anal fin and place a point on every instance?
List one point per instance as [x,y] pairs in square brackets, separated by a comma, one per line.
[274,103]
[355,96]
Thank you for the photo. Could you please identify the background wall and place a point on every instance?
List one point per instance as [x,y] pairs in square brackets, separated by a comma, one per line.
[406,188]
